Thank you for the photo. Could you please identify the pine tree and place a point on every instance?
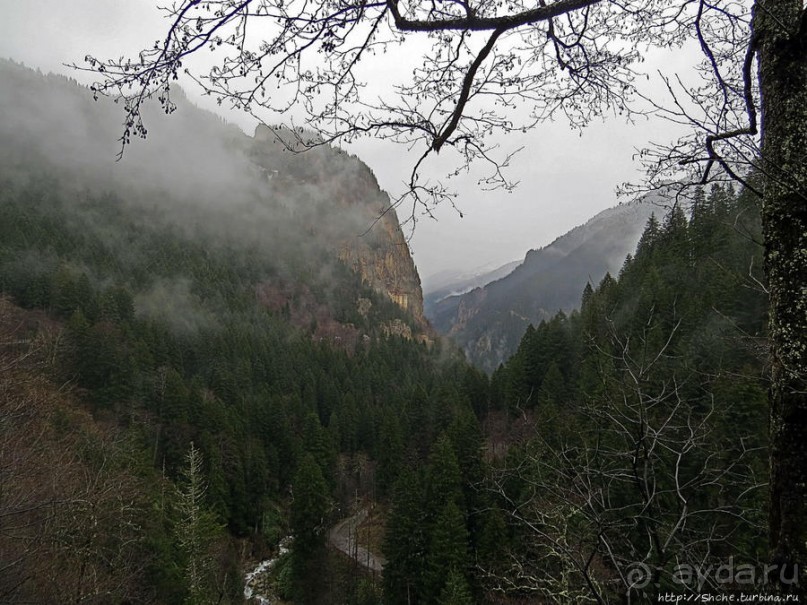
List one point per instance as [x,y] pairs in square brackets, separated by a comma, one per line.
[195,529]
[443,477]
[309,512]
[390,453]
[447,551]
[404,541]
[456,590]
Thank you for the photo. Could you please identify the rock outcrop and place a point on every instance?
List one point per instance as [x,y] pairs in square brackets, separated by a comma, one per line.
[383,261]
[333,187]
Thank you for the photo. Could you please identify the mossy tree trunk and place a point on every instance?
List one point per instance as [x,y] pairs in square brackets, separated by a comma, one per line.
[781,31]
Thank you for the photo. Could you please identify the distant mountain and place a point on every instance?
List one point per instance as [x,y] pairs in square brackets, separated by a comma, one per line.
[455,283]
[488,322]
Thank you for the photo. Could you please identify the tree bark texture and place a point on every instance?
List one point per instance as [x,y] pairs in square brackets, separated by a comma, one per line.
[781,37]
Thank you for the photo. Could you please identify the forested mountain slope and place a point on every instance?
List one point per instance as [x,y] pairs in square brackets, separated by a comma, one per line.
[454,283]
[634,445]
[196,363]
[204,177]
[488,322]
[207,354]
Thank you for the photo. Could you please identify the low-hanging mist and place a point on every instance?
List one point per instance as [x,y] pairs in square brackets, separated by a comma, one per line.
[204,180]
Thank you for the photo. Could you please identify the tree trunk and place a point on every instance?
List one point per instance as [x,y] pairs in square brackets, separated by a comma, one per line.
[781,31]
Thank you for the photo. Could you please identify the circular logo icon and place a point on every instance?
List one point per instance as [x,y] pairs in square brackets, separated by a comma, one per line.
[638,576]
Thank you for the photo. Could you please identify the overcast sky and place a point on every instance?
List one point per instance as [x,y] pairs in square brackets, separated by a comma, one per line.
[565,177]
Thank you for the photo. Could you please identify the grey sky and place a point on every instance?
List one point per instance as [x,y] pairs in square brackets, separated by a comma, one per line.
[565,176]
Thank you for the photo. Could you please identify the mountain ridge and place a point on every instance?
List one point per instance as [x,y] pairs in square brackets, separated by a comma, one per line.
[205,176]
[487,322]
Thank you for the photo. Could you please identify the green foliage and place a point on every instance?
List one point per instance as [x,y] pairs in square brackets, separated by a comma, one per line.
[165,334]
[310,505]
[309,512]
[443,477]
[405,540]
[650,396]
[197,341]
[195,530]
[284,584]
[456,590]
[447,552]
[428,534]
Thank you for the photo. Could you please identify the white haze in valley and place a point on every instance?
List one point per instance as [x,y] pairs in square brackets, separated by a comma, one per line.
[565,176]
[194,174]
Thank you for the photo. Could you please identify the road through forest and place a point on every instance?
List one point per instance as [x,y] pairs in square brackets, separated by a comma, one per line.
[343,537]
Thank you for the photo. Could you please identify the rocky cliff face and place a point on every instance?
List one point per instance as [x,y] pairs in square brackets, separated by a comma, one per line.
[361,228]
[383,261]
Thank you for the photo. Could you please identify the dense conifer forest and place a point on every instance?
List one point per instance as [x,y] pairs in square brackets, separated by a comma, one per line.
[267,406]
[645,419]
[497,489]
[180,396]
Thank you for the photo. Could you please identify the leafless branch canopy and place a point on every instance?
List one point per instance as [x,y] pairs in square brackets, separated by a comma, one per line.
[718,104]
[639,486]
[461,72]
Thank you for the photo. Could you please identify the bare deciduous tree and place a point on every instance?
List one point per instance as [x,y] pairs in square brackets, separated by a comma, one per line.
[641,484]
[69,514]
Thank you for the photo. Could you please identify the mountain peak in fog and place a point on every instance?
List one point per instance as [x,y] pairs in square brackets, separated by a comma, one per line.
[488,322]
